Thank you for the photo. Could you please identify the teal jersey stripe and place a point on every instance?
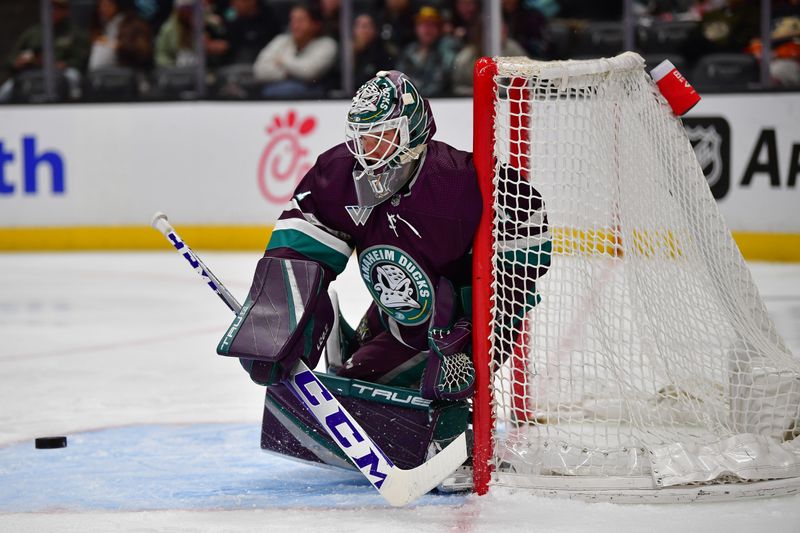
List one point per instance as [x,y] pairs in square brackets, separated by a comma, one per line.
[533,256]
[309,247]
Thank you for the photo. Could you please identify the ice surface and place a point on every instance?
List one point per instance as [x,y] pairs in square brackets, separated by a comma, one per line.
[116,351]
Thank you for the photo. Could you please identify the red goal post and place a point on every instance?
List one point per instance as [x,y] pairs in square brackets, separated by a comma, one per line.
[651,364]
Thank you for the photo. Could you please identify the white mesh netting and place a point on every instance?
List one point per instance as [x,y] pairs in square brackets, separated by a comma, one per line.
[650,360]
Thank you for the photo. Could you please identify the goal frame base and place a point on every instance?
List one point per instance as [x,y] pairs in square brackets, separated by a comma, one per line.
[638,490]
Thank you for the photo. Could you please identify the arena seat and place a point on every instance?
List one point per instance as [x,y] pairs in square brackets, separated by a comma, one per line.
[174,83]
[725,72]
[668,36]
[559,36]
[111,84]
[236,82]
[599,39]
[29,87]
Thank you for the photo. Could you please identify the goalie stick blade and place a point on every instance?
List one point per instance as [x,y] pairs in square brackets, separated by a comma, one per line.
[396,485]
[402,487]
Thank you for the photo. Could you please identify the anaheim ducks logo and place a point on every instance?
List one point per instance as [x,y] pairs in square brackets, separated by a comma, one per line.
[397,284]
[373,100]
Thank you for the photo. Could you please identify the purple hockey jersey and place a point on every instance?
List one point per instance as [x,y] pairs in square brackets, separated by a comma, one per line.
[404,245]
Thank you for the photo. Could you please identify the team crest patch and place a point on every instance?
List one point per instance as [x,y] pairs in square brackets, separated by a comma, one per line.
[397,284]
[373,100]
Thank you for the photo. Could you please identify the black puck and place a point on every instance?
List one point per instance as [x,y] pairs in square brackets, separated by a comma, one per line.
[48,443]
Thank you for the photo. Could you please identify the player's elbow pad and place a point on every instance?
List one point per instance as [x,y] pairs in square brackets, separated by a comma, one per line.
[287,316]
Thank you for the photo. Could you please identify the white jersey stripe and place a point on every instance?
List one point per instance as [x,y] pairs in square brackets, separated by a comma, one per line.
[297,301]
[523,242]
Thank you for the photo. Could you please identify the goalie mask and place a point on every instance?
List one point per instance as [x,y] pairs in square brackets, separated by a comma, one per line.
[388,126]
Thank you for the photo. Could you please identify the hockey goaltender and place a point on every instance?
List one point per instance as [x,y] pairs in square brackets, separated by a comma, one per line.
[409,206]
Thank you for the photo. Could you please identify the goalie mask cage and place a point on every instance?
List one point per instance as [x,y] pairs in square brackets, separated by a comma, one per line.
[649,369]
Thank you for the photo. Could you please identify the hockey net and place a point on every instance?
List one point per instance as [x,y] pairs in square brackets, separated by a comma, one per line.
[649,365]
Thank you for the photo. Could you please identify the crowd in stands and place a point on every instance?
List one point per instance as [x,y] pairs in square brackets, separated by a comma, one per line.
[291,49]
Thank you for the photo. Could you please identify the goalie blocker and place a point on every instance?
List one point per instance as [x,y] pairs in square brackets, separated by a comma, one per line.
[287,316]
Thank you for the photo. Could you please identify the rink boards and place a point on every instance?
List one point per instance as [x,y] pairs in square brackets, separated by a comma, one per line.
[91,176]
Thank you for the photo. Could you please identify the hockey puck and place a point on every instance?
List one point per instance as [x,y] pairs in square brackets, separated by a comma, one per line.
[48,443]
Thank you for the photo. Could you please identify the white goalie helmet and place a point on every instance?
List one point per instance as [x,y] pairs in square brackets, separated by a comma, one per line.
[388,126]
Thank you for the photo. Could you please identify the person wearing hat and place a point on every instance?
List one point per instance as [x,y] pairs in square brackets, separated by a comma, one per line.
[428,60]
[70,49]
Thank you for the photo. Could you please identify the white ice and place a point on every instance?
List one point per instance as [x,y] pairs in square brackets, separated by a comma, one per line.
[96,341]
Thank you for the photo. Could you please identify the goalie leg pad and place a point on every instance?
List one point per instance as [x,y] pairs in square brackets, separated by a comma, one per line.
[398,420]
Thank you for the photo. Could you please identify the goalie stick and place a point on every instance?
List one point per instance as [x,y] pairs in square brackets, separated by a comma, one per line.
[397,486]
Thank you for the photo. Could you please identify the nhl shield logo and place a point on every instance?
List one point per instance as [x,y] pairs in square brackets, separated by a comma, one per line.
[397,284]
[710,138]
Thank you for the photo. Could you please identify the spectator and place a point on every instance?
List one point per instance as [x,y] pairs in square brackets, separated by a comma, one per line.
[466,15]
[730,28]
[297,63]
[154,12]
[396,23]
[135,43]
[71,46]
[526,26]
[330,9]
[70,50]
[784,65]
[175,41]
[119,37]
[104,28]
[369,52]
[548,8]
[250,27]
[429,59]
[466,58]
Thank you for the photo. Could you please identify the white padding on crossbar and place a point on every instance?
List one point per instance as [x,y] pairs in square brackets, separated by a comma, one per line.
[522,66]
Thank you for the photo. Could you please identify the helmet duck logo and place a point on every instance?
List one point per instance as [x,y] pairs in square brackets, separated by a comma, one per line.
[373,100]
[366,100]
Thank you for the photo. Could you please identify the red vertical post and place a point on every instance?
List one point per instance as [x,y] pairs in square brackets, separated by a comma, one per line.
[485,90]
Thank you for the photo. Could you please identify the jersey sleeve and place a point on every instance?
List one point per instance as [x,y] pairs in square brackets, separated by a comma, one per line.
[523,235]
[524,249]
[301,231]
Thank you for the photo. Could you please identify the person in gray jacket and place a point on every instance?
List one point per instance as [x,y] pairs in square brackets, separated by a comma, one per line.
[297,63]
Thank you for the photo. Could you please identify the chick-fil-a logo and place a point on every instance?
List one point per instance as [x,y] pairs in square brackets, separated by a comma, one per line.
[284,160]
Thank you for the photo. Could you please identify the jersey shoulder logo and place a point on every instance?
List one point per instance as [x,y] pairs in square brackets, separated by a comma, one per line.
[358,213]
[397,284]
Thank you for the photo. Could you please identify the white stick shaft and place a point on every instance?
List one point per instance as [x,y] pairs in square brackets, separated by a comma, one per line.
[161,223]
